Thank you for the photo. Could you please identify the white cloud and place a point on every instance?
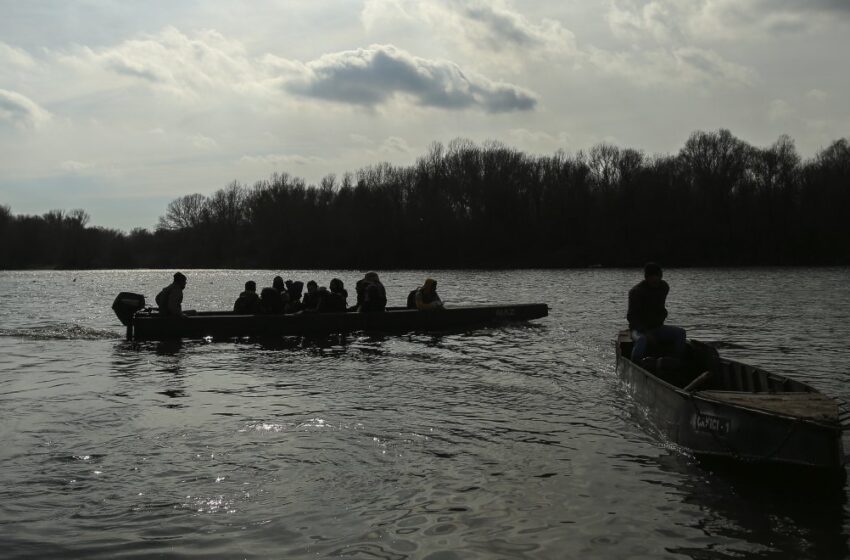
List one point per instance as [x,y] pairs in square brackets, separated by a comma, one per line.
[14,57]
[677,68]
[191,67]
[395,145]
[203,142]
[21,111]
[280,159]
[779,110]
[76,166]
[372,76]
[817,95]
[675,21]
[489,29]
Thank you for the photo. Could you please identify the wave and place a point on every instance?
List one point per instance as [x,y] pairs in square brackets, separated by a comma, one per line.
[60,331]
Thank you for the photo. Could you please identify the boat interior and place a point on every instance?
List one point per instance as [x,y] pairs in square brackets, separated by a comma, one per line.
[702,371]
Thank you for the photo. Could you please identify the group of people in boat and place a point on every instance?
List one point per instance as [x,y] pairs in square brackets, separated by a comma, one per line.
[289,297]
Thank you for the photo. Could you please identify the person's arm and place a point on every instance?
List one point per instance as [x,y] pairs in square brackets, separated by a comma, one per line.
[175,303]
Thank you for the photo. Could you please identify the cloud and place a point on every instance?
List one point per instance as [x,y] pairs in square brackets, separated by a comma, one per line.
[667,21]
[276,159]
[203,142]
[14,57]
[21,111]
[676,68]
[372,76]
[395,145]
[482,27]
[192,67]
[779,110]
[75,166]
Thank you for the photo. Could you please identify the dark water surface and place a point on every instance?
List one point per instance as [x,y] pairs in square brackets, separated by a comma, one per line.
[506,442]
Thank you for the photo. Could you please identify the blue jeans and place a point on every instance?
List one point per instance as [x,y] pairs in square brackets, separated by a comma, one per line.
[665,334]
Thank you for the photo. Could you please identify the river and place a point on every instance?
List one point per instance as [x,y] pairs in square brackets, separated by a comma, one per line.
[513,441]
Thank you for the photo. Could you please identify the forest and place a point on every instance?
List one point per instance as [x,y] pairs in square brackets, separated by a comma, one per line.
[719,201]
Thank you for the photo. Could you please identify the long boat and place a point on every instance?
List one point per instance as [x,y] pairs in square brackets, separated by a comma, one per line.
[726,411]
[145,323]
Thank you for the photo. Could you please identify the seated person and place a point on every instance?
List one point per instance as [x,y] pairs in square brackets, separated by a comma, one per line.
[170,298]
[310,301]
[647,313]
[271,301]
[333,300]
[371,294]
[426,296]
[248,301]
[411,298]
[293,290]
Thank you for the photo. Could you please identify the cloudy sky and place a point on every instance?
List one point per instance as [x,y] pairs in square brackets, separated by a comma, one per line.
[118,107]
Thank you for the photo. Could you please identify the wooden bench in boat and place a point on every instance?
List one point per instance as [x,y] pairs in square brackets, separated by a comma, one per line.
[813,406]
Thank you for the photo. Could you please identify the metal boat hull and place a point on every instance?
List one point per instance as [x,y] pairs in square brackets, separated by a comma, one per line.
[712,428]
[147,325]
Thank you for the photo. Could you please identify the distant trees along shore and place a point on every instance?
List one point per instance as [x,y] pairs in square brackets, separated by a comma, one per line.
[719,201]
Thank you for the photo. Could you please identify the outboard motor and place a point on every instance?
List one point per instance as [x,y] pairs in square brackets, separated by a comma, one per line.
[126,305]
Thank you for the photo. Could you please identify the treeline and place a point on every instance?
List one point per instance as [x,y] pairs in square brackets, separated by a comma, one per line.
[719,201]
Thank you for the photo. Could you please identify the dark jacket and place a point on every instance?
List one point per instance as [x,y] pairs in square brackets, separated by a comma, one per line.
[248,303]
[170,300]
[332,302]
[411,299]
[371,296]
[271,301]
[646,306]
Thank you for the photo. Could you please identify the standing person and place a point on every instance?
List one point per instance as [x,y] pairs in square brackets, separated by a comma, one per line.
[371,294]
[426,296]
[647,313]
[170,298]
[249,301]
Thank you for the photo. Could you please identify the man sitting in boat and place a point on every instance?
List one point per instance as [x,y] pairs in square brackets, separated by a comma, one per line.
[274,299]
[248,301]
[426,297]
[170,298]
[647,313]
[310,302]
[371,294]
[293,290]
[333,299]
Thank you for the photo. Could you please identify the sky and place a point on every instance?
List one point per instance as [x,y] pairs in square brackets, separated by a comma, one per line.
[119,107]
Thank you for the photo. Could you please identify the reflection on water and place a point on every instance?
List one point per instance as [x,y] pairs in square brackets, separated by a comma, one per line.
[513,441]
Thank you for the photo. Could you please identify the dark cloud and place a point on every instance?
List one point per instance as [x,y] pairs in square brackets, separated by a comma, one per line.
[371,76]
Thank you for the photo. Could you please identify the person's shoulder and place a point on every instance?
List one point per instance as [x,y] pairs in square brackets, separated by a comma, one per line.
[637,287]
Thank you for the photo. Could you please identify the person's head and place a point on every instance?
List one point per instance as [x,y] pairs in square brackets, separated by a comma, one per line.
[336,285]
[180,279]
[652,273]
[372,277]
[430,285]
[312,286]
[295,290]
[277,283]
[250,286]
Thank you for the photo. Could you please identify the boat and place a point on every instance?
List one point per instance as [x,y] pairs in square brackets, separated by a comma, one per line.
[728,412]
[146,323]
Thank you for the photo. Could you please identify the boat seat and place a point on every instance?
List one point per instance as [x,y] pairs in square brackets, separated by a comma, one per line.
[698,382]
[801,404]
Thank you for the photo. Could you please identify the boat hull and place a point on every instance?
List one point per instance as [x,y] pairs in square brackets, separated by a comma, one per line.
[717,430]
[152,326]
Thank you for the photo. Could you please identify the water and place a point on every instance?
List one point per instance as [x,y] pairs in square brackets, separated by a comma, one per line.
[505,442]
